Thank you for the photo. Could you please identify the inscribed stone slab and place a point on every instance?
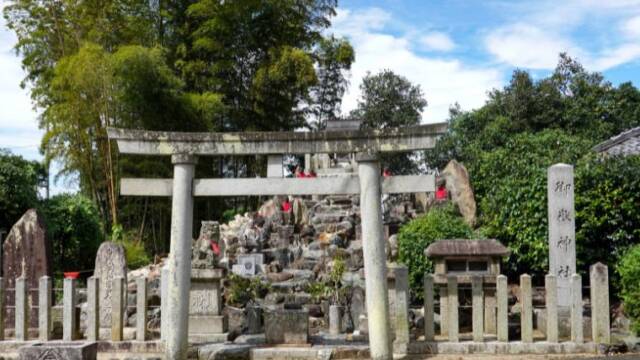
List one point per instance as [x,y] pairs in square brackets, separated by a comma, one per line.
[111,263]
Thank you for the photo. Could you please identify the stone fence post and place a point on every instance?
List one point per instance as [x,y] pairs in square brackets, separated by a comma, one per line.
[551,304]
[526,311]
[401,303]
[503,308]
[93,309]
[477,316]
[452,308]
[44,309]
[21,310]
[429,328]
[141,309]
[117,309]
[576,309]
[600,323]
[69,310]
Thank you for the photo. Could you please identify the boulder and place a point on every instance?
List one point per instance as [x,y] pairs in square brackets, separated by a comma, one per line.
[459,186]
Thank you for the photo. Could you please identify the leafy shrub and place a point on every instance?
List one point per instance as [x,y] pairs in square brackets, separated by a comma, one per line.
[74,230]
[230,214]
[133,247]
[414,237]
[629,270]
[241,290]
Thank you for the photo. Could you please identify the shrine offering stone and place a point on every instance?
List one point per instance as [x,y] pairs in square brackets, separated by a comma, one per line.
[287,326]
[206,322]
[60,351]
[562,233]
[25,252]
[111,263]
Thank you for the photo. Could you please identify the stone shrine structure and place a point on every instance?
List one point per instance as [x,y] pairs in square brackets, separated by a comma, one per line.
[111,263]
[25,252]
[562,230]
[184,149]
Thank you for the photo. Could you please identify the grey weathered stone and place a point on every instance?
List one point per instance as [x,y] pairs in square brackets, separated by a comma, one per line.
[141,308]
[444,312]
[254,319]
[285,326]
[562,247]
[206,322]
[452,308]
[111,263]
[26,252]
[429,321]
[21,309]
[526,309]
[576,309]
[44,309]
[477,308]
[599,281]
[93,309]
[69,330]
[551,303]
[401,312]
[2,311]
[334,319]
[459,186]
[117,308]
[503,308]
[60,351]
[164,288]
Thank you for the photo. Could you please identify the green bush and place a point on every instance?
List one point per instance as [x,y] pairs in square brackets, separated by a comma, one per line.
[241,290]
[74,231]
[629,270]
[133,247]
[414,237]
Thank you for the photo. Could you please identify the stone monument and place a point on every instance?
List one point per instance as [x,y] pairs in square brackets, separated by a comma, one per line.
[111,263]
[562,233]
[27,253]
[206,322]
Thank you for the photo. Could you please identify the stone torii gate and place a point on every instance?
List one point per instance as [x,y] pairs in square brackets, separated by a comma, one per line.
[184,149]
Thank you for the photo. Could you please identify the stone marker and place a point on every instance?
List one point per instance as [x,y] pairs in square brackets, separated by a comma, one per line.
[334,319]
[118,312]
[576,309]
[599,281]
[477,308]
[26,252]
[503,308]
[286,326]
[444,321]
[111,263]
[254,319]
[206,322]
[526,310]
[562,234]
[22,310]
[69,330]
[429,328]
[551,294]
[141,308]
[401,304]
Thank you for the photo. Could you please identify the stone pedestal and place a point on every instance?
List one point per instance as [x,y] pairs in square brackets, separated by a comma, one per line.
[60,350]
[287,326]
[206,322]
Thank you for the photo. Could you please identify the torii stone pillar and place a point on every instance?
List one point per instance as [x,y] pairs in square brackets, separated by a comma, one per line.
[375,260]
[180,256]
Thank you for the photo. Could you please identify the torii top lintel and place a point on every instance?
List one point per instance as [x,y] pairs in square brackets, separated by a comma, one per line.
[144,142]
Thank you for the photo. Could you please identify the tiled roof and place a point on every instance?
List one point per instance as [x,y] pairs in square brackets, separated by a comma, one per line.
[625,144]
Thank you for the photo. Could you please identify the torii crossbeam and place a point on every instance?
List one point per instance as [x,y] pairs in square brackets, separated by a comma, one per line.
[184,149]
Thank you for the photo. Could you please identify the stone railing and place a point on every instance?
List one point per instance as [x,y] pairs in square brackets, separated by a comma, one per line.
[38,303]
[547,340]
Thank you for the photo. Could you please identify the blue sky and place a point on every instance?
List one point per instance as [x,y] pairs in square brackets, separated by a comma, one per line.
[456,50]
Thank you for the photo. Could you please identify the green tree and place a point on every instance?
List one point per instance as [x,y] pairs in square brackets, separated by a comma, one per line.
[74,231]
[334,57]
[629,270]
[388,100]
[19,181]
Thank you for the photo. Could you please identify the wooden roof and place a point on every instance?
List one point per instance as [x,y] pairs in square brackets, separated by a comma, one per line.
[464,247]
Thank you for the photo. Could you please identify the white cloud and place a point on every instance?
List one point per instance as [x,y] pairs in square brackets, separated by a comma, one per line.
[443,81]
[631,27]
[524,45]
[437,41]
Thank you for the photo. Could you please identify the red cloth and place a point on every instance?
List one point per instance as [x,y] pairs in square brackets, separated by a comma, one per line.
[386,173]
[286,206]
[441,193]
[215,248]
[300,175]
